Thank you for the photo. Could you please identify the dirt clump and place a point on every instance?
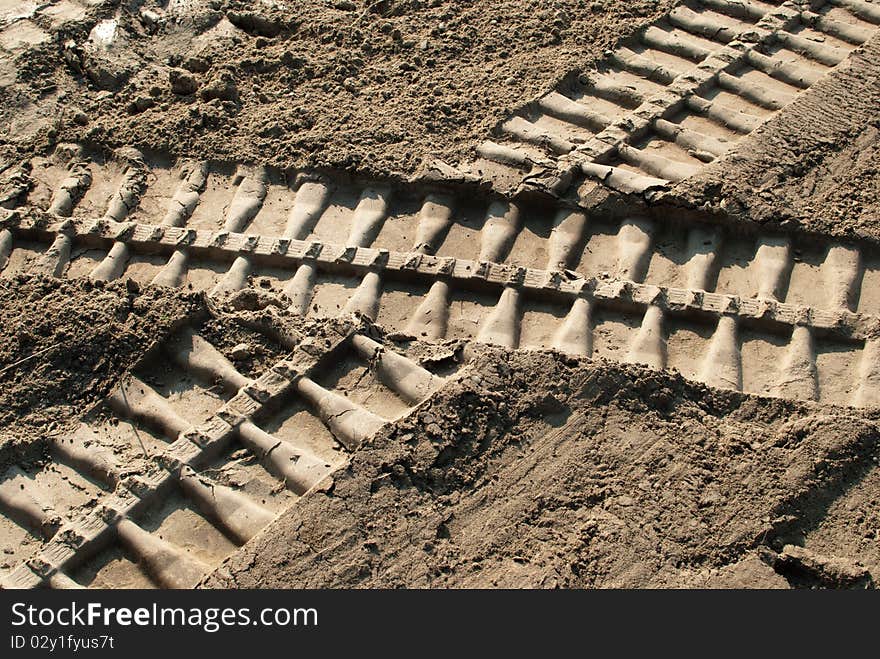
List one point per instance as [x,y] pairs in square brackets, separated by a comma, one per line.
[63,344]
[534,470]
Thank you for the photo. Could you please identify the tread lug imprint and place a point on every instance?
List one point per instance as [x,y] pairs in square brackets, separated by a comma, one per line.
[196,451]
[438,263]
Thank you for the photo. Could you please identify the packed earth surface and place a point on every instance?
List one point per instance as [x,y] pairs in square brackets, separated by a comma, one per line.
[435,294]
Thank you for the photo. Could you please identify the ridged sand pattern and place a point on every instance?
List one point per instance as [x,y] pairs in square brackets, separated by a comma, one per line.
[679,94]
[192,455]
[145,497]
[437,263]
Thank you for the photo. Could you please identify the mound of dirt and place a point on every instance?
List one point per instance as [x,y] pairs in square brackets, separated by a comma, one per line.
[368,85]
[64,343]
[814,167]
[538,471]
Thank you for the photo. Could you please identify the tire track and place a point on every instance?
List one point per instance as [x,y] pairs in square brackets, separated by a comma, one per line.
[713,304]
[678,95]
[177,469]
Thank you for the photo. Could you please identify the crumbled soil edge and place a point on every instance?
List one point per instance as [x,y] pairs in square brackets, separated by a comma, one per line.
[368,86]
[541,471]
[814,167]
[63,344]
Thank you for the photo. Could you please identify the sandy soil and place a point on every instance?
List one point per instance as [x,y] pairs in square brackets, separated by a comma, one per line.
[368,85]
[813,167]
[533,470]
[539,471]
[63,345]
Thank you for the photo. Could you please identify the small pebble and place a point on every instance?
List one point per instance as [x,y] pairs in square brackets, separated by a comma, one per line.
[241,351]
